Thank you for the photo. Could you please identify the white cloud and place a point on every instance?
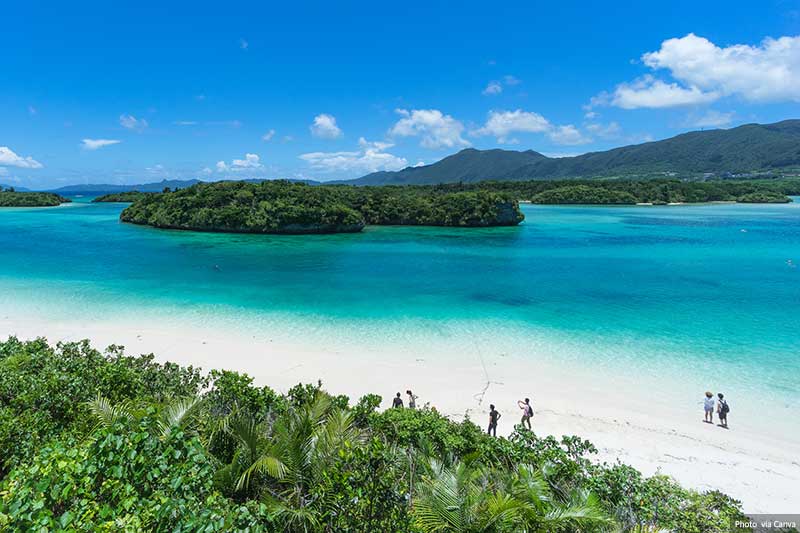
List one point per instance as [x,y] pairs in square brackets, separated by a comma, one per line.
[3,171]
[325,127]
[611,130]
[493,88]
[496,87]
[10,159]
[370,157]
[713,119]
[568,135]
[704,72]
[94,144]
[650,92]
[132,123]
[249,163]
[501,124]
[268,136]
[436,129]
[185,123]
[769,71]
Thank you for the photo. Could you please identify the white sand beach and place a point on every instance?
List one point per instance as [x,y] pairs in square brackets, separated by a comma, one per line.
[756,463]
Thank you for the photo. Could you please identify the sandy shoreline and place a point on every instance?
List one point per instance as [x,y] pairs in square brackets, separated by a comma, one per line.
[761,469]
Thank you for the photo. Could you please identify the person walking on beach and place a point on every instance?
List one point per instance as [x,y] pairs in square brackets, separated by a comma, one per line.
[397,402]
[412,399]
[708,407]
[527,411]
[494,416]
[722,410]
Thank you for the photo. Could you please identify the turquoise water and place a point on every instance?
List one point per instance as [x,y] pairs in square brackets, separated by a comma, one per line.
[679,290]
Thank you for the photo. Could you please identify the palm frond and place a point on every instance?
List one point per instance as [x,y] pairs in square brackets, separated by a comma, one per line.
[178,413]
[108,414]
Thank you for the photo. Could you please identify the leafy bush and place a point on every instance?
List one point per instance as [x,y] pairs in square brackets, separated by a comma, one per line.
[106,442]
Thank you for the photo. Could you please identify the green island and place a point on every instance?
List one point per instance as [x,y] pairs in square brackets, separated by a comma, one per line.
[652,191]
[123,197]
[296,208]
[12,198]
[93,441]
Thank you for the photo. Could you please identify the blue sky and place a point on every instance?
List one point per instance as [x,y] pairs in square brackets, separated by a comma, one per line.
[132,92]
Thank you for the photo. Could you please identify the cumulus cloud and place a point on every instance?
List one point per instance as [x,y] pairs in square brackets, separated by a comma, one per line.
[132,123]
[502,124]
[436,129]
[370,157]
[325,127]
[95,144]
[249,163]
[268,136]
[713,119]
[10,159]
[650,92]
[704,72]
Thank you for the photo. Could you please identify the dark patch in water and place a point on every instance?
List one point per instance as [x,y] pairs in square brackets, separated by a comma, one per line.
[511,301]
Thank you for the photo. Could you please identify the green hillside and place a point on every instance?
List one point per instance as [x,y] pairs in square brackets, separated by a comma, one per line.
[752,148]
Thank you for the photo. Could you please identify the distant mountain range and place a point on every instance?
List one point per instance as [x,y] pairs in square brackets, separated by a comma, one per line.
[17,188]
[741,150]
[745,149]
[158,186]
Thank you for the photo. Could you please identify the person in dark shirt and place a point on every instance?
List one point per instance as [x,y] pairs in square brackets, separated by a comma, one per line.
[397,402]
[494,416]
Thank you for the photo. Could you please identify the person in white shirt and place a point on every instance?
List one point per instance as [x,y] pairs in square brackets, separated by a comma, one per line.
[708,406]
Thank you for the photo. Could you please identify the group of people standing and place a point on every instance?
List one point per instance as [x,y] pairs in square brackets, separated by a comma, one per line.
[494,416]
[720,405]
[412,400]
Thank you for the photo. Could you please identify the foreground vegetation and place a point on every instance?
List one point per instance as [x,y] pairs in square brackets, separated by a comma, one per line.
[12,198]
[107,442]
[285,207]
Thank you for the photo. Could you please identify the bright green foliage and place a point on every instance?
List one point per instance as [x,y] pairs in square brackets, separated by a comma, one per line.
[11,198]
[44,390]
[128,477]
[97,442]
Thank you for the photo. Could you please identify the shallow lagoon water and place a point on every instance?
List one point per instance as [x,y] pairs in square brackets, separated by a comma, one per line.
[696,296]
